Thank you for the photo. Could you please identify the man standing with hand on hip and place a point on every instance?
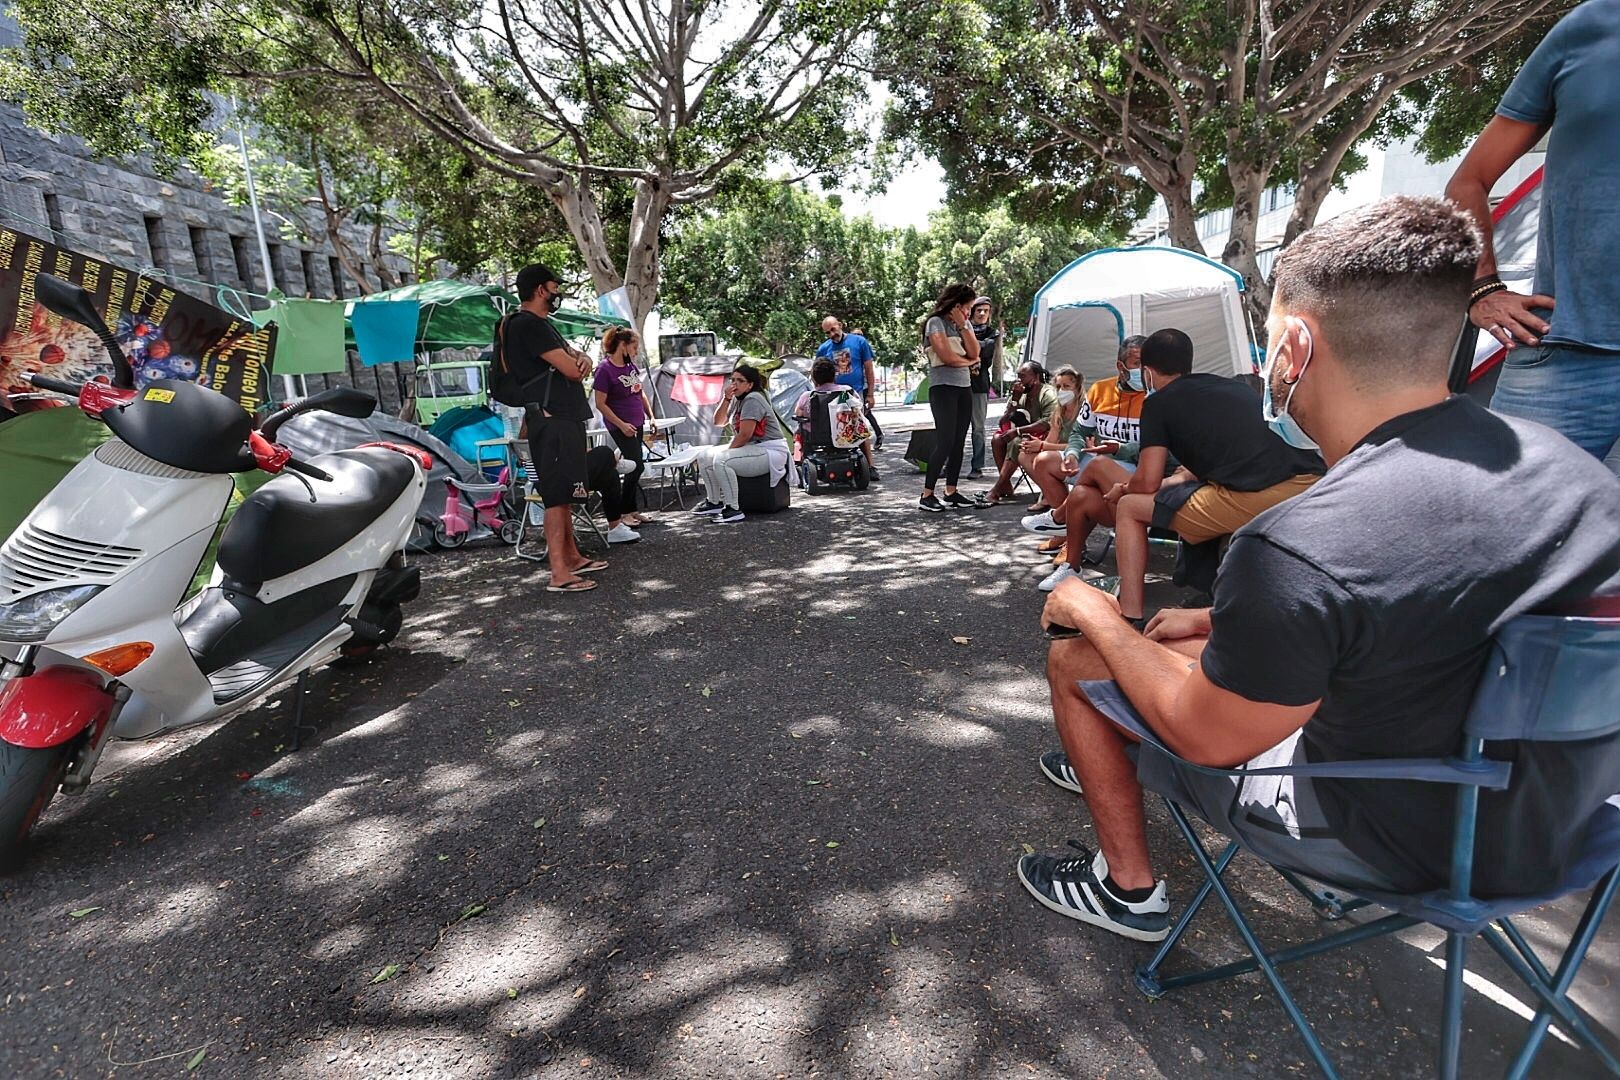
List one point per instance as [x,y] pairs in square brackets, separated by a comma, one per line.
[553,374]
[1563,369]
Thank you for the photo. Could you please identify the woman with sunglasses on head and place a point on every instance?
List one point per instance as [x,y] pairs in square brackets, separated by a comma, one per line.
[622,401]
[953,352]
[757,446]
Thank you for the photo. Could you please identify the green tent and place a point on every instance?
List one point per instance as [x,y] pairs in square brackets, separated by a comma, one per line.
[37,449]
[458,315]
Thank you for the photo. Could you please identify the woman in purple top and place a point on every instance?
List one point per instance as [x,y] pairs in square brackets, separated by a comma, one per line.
[624,408]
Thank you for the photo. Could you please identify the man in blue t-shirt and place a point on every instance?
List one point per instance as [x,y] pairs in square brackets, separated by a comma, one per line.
[1564,367]
[851,356]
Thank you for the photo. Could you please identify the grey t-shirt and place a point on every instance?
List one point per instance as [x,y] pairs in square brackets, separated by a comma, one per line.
[754,407]
[1376,593]
[1571,82]
[943,374]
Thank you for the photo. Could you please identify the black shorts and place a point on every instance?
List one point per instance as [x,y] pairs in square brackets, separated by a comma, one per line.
[558,447]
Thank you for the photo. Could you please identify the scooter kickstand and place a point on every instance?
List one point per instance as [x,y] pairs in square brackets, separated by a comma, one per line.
[297,727]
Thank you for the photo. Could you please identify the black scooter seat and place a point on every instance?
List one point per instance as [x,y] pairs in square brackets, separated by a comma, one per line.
[278,530]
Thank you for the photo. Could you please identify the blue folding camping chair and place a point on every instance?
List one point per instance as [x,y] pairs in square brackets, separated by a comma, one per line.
[1550,678]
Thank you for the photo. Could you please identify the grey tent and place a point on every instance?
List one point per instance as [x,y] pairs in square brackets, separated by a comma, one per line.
[321,432]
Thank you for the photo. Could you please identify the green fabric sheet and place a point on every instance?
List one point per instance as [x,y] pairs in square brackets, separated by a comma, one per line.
[310,340]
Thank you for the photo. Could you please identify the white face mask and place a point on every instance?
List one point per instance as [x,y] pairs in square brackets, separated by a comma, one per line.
[1065,397]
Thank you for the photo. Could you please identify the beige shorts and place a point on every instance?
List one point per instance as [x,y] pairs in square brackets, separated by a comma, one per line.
[1215,511]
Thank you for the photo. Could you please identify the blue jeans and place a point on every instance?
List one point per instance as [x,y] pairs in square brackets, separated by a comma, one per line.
[1575,392]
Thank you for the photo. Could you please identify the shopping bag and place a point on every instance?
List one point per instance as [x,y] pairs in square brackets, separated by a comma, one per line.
[849,427]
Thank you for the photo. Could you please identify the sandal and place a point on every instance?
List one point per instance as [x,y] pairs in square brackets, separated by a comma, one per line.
[595,566]
[577,585]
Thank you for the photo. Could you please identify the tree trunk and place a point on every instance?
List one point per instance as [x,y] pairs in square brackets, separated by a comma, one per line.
[1240,252]
[641,265]
[577,205]
[1183,232]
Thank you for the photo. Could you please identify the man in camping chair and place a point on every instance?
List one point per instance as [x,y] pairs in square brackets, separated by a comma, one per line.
[1354,620]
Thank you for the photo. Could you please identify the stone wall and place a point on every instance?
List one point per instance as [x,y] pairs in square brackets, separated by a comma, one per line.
[123,212]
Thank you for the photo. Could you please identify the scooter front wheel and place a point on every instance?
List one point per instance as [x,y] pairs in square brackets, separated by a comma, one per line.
[28,781]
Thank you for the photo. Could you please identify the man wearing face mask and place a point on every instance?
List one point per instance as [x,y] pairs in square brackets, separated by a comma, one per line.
[1233,466]
[1353,621]
[990,342]
[552,373]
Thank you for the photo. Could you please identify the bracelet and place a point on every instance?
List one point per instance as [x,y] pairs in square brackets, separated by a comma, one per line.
[1484,287]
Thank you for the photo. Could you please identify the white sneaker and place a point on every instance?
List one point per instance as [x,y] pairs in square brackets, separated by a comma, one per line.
[1056,577]
[622,534]
[1042,523]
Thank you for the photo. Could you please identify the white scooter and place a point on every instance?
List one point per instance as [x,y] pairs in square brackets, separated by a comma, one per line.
[92,642]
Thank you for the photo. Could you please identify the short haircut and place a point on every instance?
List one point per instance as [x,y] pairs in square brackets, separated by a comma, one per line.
[1169,352]
[531,277]
[1133,342]
[1387,286]
[823,371]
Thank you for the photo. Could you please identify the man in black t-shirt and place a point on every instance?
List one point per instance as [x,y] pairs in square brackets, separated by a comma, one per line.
[552,374]
[1354,620]
[1232,465]
[990,338]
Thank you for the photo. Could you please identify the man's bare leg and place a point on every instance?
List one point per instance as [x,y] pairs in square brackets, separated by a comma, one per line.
[1131,519]
[1096,752]
[562,554]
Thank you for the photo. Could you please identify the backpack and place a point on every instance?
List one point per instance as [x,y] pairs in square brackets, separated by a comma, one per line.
[504,384]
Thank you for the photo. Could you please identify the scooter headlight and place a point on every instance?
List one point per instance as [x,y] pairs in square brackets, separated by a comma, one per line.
[34,617]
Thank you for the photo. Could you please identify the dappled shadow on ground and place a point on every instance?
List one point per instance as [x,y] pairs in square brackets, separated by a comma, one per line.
[749,809]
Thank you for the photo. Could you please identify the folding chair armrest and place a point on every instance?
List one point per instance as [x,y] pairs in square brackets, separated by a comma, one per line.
[1108,699]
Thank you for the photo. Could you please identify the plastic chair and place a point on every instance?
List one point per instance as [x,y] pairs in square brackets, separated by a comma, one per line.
[1550,679]
[531,509]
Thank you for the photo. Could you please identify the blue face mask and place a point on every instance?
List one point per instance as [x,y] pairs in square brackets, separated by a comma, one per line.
[1286,427]
[1133,378]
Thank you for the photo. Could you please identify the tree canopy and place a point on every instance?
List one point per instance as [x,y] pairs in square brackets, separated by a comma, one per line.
[763,270]
[603,105]
[1082,109]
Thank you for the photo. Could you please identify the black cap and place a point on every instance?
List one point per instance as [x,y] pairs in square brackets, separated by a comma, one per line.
[531,277]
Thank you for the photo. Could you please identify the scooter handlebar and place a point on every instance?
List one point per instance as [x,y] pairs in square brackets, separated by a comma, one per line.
[294,465]
[56,386]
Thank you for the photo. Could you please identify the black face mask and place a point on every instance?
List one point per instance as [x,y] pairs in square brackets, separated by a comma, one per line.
[555,302]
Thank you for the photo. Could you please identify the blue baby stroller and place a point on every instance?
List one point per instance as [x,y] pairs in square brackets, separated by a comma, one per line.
[825,464]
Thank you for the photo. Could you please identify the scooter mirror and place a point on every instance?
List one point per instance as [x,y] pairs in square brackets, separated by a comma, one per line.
[345,401]
[69,301]
[74,303]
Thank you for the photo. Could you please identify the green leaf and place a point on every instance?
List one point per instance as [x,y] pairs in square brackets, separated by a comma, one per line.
[706,692]
[832,843]
[81,912]
[385,974]
[443,858]
[511,993]
[472,911]
[894,939]
[196,1060]
[539,822]
[1029,849]
[813,783]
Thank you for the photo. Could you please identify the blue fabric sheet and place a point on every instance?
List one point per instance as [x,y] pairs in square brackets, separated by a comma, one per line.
[385,330]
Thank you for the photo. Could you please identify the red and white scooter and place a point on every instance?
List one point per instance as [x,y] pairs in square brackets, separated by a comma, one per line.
[94,638]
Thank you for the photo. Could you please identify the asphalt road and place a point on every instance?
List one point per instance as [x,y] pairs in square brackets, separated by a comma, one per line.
[749,809]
